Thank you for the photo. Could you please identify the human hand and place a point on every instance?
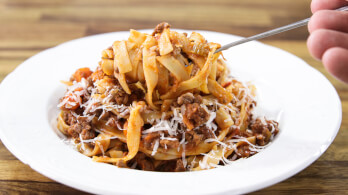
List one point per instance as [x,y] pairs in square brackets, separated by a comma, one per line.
[328,40]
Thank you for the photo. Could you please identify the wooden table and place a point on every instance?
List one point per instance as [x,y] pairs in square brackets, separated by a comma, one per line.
[28,27]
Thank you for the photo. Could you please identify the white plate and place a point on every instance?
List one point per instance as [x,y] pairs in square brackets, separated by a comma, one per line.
[310,107]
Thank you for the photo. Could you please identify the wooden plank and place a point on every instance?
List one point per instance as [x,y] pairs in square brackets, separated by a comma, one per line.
[40,32]
[5,154]
[14,16]
[107,3]
[187,14]
[16,170]
[30,187]
[7,66]
[17,54]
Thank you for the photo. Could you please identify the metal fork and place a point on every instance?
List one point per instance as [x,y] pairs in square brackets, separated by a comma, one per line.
[272,32]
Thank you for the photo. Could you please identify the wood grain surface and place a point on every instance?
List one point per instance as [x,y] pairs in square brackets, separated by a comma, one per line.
[28,27]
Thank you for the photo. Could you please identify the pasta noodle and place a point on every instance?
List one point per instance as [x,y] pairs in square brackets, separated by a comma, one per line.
[162,102]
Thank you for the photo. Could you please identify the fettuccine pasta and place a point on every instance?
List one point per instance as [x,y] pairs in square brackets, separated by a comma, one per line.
[162,102]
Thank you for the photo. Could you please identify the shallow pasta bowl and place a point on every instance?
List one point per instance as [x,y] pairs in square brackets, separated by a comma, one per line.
[288,90]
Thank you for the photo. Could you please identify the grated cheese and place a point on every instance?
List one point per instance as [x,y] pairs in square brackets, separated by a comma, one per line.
[183,153]
[155,148]
[167,138]
[101,148]
[82,144]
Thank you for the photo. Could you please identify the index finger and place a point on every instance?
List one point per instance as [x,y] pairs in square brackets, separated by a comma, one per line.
[317,5]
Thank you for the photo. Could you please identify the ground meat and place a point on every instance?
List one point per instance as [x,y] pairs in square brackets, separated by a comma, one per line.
[121,164]
[115,92]
[196,114]
[88,134]
[186,98]
[82,127]
[198,99]
[160,27]
[261,140]
[164,143]
[176,50]
[171,166]
[243,151]
[144,162]
[193,139]
[121,97]
[89,81]
[205,131]
[167,166]
[189,98]
[69,118]
[77,127]
[179,166]
[262,130]
[258,126]
[149,140]
[137,94]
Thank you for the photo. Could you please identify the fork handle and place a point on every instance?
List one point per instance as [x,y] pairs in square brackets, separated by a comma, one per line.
[272,32]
